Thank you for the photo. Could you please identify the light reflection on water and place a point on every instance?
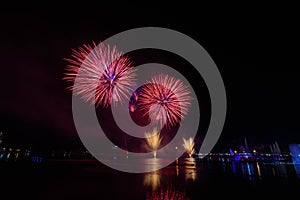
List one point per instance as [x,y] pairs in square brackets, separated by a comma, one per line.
[297,169]
[186,168]
[189,167]
[190,170]
[259,169]
[187,178]
[168,193]
[152,180]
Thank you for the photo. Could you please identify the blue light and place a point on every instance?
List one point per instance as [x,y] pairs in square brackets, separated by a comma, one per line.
[295,150]
[249,170]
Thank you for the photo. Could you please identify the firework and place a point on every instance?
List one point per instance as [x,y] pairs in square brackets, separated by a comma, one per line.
[153,140]
[103,75]
[165,99]
[188,144]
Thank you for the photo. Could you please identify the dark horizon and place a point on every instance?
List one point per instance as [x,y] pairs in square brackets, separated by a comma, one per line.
[255,57]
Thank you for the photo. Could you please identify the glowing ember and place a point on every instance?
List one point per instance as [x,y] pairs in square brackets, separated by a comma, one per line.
[103,75]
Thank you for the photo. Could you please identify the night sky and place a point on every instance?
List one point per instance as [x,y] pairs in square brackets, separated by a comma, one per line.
[254,49]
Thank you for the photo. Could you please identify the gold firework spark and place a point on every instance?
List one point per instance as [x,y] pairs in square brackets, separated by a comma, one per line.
[153,140]
[188,144]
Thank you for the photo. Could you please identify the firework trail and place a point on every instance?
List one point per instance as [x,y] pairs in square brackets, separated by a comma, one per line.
[189,144]
[103,75]
[153,140]
[165,99]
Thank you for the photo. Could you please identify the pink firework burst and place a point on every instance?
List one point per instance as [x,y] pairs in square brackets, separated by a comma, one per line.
[165,99]
[103,75]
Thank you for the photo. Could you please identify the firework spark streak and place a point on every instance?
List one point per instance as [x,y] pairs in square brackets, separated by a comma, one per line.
[153,140]
[103,75]
[166,100]
[189,144]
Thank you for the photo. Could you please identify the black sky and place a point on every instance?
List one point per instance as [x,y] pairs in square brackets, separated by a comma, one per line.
[255,49]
